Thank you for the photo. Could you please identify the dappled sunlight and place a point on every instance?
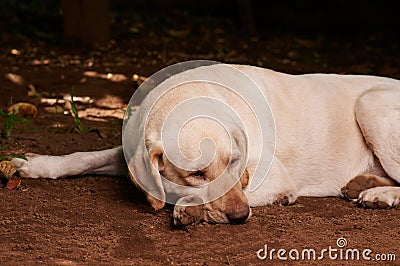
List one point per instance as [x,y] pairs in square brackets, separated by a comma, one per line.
[15,52]
[38,62]
[100,110]
[16,79]
[57,125]
[65,99]
[81,99]
[111,101]
[100,115]
[109,76]
[109,106]
[113,77]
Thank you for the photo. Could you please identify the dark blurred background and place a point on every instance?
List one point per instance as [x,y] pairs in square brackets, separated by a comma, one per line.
[291,36]
[43,19]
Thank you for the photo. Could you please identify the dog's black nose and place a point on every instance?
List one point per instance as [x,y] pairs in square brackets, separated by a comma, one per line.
[238,216]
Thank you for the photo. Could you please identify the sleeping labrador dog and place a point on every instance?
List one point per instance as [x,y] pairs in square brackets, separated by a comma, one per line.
[325,135]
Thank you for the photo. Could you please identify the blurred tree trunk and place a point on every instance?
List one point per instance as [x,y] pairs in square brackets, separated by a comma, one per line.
[86,20]
[246,15]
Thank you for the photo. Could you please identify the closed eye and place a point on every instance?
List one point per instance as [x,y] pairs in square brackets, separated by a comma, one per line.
[198,174]
[196,178]
[234,161]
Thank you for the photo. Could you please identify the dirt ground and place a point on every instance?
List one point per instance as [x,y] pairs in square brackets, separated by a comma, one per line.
[104,220]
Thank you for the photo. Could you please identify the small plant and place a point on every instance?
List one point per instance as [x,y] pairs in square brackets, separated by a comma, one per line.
[79,126]
[10,121]
[117,124]
[6,157]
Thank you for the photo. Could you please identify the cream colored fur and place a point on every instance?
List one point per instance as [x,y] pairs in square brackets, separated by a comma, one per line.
[328,128]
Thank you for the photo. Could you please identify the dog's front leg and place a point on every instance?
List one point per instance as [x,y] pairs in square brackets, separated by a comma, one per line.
[278,188]
[105,162]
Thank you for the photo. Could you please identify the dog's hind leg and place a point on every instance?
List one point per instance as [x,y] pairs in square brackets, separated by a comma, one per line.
[105,162]
[378,115]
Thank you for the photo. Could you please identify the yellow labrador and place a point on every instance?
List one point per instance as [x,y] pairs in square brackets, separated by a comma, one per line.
[333,135]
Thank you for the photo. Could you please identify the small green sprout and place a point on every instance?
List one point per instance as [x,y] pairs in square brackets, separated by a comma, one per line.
[7,157]
[79,126]
[10,121]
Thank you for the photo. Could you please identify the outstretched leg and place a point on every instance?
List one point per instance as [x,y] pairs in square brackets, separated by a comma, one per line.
[105,162]
[378,115]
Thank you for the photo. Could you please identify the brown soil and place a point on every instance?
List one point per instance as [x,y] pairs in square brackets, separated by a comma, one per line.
[105,220]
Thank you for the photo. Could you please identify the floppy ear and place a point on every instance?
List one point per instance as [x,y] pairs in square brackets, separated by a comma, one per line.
[244,179]
[144,169]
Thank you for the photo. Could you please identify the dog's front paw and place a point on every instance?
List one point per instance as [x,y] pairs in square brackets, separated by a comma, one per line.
[380,197]
[188,210]
[27,168]
[284,200]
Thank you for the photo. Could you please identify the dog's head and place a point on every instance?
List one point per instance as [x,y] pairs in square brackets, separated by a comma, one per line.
[202,151]
[226,153]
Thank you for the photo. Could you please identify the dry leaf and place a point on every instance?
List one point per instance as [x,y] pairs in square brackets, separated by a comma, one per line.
[24,109]
[13,184]
[7,169]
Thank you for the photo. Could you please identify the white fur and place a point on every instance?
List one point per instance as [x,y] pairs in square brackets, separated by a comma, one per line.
[105,162]
[388,195]
[319,144]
